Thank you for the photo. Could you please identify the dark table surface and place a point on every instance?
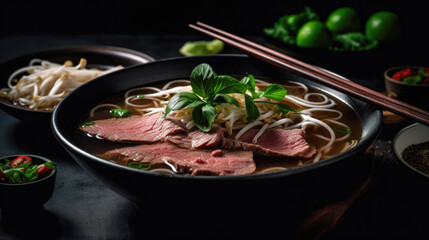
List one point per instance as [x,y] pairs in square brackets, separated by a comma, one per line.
[394,206]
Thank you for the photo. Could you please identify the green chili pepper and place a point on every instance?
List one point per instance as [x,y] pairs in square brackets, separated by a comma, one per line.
[51,165]
[137,165]
[343,130]
[85,124]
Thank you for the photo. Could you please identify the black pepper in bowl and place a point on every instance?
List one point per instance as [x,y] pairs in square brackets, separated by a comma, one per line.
[417,155]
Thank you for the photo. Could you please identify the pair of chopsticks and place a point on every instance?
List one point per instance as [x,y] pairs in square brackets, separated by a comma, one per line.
[316,74]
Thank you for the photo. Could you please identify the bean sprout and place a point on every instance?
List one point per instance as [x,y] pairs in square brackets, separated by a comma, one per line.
[47,83]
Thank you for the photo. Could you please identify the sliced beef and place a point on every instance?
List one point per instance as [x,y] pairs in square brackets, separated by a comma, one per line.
[279,142]
[197,139]
[196,162]
[155,128]
[147,129]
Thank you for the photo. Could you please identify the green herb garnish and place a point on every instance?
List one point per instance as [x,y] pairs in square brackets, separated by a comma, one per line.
[287,26]
[343,129]
[85,124]
[353,42]
[137,165]
[120,112]
[210,90]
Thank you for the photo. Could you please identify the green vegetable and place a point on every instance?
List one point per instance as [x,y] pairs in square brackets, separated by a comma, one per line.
[183,100]
[343,129]
[412,79]
[251,108]
[353,42]
[137,165]
[287,26]
[423,73]
[51,165]
[203,116]
[211,90]
[384,26]
[23,173]
[225,99]
[274,91]
[85,124]
[140,96]
[343,20]
[201,48]
[313,34]
[120,113]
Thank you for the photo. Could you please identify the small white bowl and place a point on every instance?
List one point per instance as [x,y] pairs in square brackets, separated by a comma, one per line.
[413,134]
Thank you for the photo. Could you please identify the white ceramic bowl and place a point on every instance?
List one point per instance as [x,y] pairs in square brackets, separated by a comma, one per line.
[413,134]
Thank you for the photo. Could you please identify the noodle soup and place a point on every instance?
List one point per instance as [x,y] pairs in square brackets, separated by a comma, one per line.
[330,125]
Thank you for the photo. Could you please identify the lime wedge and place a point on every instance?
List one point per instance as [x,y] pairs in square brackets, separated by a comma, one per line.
[198,48]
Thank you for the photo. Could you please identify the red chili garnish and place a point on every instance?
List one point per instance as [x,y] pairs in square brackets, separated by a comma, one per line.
[401,74]
[23,159]
[426,80]
[43,170]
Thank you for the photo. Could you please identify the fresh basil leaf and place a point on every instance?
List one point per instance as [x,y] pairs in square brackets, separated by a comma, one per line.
[182,100]
[285,108]
[120,112]
[249,81]
[251,108]
[227,84]
[274,91]
[225,98]
[200,76]
[203,116]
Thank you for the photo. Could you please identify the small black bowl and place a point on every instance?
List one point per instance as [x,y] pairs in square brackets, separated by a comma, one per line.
[27,195]
[102,57]
[415,94]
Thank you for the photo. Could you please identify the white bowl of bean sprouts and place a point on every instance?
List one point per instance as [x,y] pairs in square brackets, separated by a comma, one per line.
[32,85]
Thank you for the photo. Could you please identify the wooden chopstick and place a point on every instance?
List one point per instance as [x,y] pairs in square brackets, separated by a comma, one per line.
[333,77]
[316,74]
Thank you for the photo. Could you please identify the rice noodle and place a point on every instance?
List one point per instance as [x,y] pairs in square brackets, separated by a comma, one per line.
[247,127]
[233,118]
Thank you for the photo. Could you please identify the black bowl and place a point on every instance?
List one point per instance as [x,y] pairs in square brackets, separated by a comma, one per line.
[102,57]
[243,201]
[27,195]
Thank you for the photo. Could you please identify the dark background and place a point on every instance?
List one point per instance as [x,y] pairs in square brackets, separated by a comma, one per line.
[167,18]
[395,206]
[172,17]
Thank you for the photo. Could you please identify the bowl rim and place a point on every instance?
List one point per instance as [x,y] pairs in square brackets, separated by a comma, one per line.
[363,144]
[136,55]
[389,78]
[53,172]
[399,154]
